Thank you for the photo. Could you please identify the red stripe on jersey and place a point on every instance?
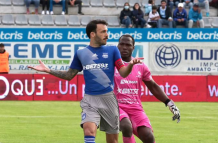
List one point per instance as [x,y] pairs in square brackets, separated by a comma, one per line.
[119,63]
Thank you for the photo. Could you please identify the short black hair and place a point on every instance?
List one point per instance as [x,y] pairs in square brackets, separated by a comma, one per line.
[163,1]
[2,45]
[127,35]
[92,26]
[154,7]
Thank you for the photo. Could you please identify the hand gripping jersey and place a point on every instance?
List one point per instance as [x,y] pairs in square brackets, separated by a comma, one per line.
[98,67]
[128,90]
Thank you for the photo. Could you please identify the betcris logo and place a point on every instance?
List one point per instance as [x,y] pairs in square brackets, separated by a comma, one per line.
[169,56]
[111,35]
[51,51]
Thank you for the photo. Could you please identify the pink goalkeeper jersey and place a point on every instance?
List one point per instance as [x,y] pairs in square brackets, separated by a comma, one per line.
[128,90]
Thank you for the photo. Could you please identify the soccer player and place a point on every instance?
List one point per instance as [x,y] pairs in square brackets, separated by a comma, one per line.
[133,119]
[99,104]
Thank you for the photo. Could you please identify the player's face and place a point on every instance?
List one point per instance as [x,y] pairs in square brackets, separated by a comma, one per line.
[2,49]
[101,35]
[126,47]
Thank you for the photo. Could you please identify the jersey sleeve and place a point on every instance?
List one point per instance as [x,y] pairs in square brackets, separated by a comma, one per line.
[146,73]
[76,64]
[117,59]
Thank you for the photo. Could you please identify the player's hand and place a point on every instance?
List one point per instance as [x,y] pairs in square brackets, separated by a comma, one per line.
[136,61]
[174,110]
[42,67]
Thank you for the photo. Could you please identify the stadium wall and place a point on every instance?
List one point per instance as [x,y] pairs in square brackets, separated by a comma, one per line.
[182,61]
[166,51]
[44,87]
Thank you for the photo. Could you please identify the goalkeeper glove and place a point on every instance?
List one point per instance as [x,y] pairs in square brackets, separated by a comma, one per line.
[174,110]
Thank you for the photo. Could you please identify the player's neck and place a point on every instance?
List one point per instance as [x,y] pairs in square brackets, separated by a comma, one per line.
[94,44]
[127,59]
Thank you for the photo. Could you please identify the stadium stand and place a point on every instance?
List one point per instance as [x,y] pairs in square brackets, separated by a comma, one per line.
[21,20]
[157,2]
[60,20]
[207,22]
[144,2]
[98,3]
[12,11]
[120,3]
[85,20]
[5,2]
[47,20]
[109,3]
[86,3]
[8,19]
[132,2]
[34,20]
[73,20]
[113,21]
[18,2]
[215,23]
[99,17]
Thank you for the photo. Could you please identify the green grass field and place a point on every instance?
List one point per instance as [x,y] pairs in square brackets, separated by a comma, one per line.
[58,122]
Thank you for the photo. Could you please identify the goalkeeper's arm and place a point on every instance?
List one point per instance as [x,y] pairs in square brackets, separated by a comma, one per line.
[160,95]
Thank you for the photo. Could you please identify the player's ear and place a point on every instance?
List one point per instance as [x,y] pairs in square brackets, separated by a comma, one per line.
[92,34]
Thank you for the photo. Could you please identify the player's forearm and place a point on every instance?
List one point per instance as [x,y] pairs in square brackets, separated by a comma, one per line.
[158,93]
[125,71]
[67,75]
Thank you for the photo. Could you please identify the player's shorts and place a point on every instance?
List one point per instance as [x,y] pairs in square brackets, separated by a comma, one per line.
[102,110]
[137,116]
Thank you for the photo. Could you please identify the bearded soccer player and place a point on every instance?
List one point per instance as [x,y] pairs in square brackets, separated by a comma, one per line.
[133,119]
[99,105]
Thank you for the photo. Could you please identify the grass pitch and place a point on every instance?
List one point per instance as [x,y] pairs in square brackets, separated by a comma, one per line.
[58,122]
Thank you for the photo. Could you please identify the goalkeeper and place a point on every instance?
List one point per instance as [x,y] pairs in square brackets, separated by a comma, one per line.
[133,119]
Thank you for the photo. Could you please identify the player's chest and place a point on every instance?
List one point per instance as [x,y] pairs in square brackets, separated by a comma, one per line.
[98,60]
[135,75]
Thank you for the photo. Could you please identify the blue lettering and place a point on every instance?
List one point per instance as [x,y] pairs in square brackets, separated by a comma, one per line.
[61,51]
[192,54]
[138,51]
[43,53]
[17,50]
[202,58]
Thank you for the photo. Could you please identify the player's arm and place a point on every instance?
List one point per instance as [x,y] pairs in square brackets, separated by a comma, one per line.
[67,75]
[125,70]
[160,95]
[156,90]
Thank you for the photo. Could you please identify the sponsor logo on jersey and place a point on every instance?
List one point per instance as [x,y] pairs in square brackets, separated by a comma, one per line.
[96,66]
[124,81]
[128,91]
[139,74]
[94,55]
[105,55]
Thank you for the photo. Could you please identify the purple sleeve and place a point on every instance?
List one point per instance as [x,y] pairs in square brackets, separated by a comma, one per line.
[76,64]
